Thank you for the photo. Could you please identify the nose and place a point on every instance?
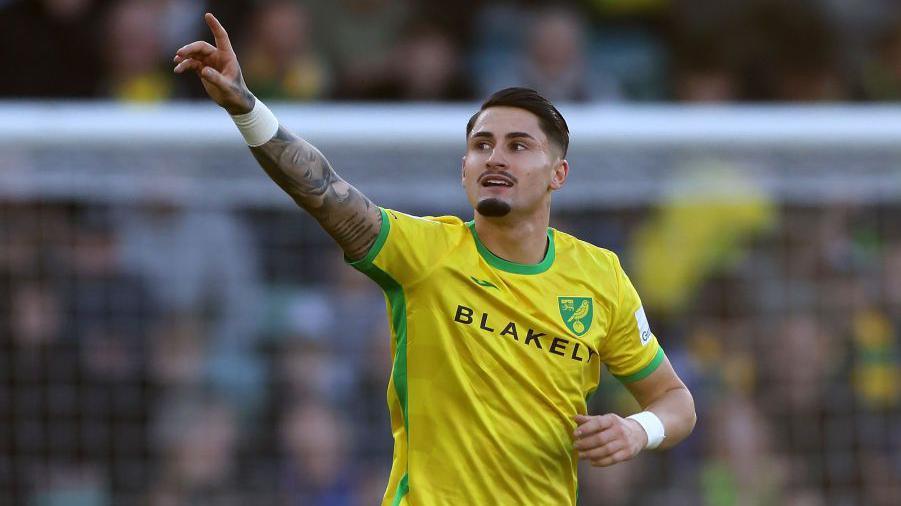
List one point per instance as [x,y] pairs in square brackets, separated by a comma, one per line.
[496,159]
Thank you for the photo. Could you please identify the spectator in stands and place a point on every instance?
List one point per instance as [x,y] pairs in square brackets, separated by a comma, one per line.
[47,457]
[796,387]
[793,52]
[697,81]
[195,439]
[308,368]
[132,49]
[882,73]
[359,37]
[200,264]
[316,470]
[107,311]
[39,362]
[806,394]
[178,351]
[742,464]
[705,56]
[30,321]
[281,61]
[551,59]
[32,236]
[311,323]
[426,66]
[49,48]
[107,307]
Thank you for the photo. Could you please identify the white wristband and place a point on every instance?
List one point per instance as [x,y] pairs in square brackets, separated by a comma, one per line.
[652,425]
[257,126]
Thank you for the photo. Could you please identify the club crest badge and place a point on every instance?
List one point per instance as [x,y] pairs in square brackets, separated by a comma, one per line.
[577,313]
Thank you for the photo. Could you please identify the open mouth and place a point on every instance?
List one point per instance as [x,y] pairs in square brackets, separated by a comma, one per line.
[495,180]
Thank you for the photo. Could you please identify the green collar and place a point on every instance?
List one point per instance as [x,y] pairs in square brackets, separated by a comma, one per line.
[506,265]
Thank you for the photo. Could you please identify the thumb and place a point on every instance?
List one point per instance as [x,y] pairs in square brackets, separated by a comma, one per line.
[213,76]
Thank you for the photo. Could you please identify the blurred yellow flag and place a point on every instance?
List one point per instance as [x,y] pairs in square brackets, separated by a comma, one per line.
[703,225]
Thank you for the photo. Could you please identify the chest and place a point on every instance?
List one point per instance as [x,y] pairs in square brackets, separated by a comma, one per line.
[551,321]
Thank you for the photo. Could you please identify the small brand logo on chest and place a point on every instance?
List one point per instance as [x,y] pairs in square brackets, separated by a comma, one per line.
[483,283]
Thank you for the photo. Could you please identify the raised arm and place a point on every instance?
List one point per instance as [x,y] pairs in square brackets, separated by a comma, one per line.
[293,163]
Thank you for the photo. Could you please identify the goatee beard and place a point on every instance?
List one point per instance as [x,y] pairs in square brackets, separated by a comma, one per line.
[493,208]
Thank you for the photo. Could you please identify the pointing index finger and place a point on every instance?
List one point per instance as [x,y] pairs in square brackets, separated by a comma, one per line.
[219,33]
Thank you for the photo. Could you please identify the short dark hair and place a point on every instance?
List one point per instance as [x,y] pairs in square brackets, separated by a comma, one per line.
[549,118]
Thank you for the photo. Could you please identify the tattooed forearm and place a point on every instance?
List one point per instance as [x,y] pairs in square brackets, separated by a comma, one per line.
[304,173]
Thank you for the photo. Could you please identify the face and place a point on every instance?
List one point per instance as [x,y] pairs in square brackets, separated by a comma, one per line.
[510,167]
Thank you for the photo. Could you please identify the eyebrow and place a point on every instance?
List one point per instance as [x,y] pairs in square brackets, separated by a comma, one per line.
[511,135]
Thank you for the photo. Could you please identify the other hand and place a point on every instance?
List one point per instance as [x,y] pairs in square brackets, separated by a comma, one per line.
[608,439]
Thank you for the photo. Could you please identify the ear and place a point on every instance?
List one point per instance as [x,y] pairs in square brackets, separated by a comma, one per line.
[558,178]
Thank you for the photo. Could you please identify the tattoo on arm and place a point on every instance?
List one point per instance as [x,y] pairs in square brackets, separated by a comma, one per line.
[304,173]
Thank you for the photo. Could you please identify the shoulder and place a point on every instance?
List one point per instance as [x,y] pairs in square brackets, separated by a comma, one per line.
[585,252]
[445,222]
[413,226]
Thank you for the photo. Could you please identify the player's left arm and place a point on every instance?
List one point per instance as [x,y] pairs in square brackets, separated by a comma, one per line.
[608,439]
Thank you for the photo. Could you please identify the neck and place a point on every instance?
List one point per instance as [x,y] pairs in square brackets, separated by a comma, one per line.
[523,241]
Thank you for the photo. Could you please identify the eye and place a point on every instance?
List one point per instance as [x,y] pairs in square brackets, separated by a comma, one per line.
[518,146]
[482,145]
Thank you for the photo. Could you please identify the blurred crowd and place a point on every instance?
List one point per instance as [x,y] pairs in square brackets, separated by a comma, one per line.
[160,354]
[167,355]
[426,50]
[147,359]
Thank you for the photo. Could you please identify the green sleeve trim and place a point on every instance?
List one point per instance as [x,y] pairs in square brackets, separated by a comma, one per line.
[403,486]
[645,371]
[384,228]
[397,304]
[508,266]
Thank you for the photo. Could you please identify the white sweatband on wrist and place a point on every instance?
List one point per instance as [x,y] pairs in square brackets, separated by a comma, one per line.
[257,126]
[652,425]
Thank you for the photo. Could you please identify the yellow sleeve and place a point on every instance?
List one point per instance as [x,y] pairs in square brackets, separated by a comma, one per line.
[630,349]
[407,247]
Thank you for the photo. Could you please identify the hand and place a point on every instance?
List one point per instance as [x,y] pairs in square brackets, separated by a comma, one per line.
[608,439]
[218,69]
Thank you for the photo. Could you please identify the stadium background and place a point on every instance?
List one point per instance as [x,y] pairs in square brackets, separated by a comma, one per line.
[173,331]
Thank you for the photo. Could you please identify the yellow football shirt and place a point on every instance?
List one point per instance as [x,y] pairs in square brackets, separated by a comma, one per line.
[492,359]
